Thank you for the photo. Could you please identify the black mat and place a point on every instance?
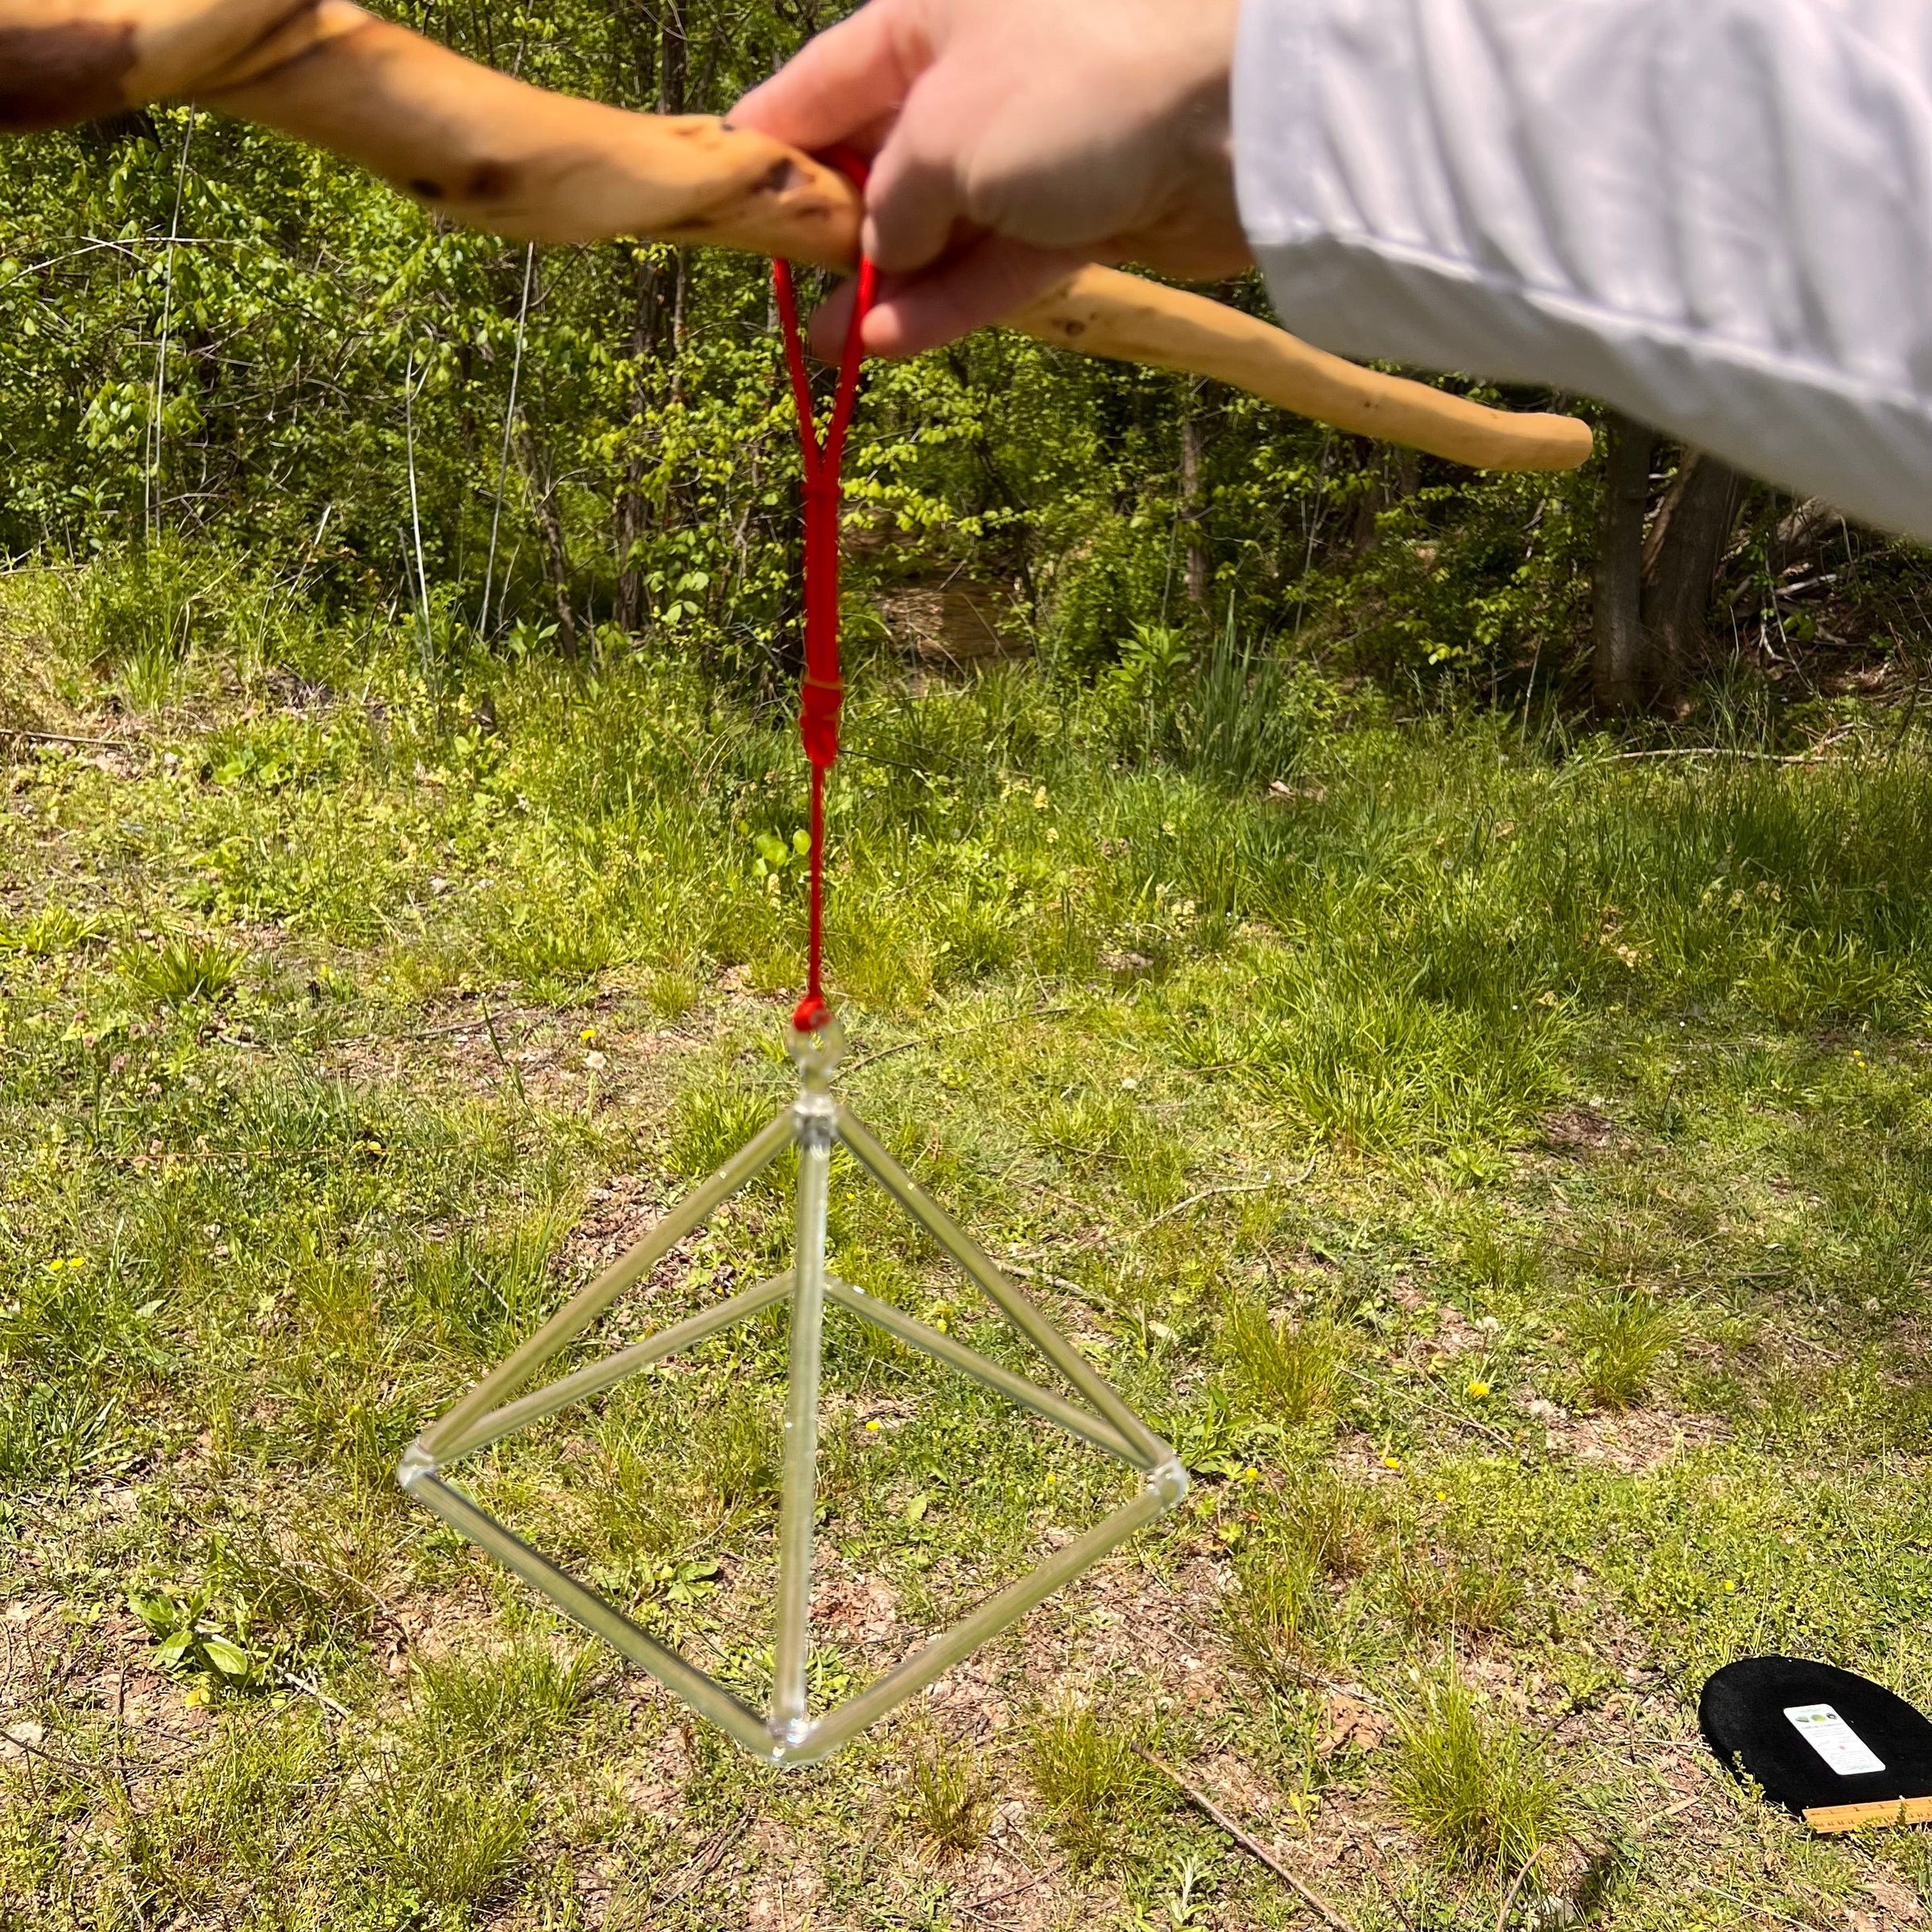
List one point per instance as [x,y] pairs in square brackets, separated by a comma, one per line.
[1824,1755]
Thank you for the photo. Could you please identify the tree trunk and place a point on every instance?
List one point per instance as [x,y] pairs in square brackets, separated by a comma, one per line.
[673,59]
[632,509]
[1395,474]
[1623,670]
[663,62]
[1686,544]
[1191,506]
[549,528]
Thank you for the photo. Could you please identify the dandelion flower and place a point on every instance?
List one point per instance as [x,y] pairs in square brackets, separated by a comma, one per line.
[872,1428]
[1479,1389]
[1392,1462]
[588,1035]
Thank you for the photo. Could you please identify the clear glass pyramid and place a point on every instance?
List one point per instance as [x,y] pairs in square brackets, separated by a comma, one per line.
[788,1733]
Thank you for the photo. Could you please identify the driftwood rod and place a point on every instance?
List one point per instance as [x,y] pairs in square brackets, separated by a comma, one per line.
[496,154]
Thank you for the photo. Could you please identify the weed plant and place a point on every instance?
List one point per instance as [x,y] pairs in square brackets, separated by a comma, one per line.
[1287,1371]
[1621,1340]
[1472,1783]
[1096,1792]
[181,969]
[951,1798]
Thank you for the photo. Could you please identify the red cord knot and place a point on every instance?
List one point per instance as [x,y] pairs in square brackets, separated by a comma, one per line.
[811,1014]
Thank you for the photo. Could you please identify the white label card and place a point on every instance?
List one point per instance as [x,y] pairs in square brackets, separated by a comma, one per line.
[1834,1740]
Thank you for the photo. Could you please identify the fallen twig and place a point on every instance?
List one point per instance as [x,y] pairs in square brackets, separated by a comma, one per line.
[1360,1693]
[976,1909]
[1210,1194]
[62,737]
[698,1869]
[1435,1409]
[1747,1904]
[472,1025]
[1206,1805]
[1813,756]
[1050,1281]
[1502,1918]
[1655,1818]
[315,1690]
[503,1059]
[476,1023]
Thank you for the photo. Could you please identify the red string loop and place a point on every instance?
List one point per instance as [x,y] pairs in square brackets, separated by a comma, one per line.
[822,695]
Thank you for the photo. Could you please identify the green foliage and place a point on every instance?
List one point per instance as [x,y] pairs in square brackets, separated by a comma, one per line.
[1473,1783]
[1286,1371]
[1095,1790]
[1621,1339]
[182,968]
[1577,1030]
[1291,1568]
[49,1432]
[712,1121]
[1459,1590]
[447,1842]
[1280,1607]
[192,1642]
[204,329]
[508,1708]
[952,1800]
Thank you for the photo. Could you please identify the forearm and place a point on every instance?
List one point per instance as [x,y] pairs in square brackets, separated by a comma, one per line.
[1717,216]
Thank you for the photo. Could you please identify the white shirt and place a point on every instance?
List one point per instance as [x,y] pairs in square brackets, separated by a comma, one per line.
[1714,214]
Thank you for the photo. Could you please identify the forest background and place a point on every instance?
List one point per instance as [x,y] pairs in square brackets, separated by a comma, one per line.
[208,334]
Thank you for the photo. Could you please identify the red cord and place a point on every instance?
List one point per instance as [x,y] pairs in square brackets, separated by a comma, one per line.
[823,693]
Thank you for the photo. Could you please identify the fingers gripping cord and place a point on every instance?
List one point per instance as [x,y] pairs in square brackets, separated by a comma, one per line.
[823,693]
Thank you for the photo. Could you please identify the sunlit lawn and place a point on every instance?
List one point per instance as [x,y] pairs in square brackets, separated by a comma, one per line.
[1501,1166]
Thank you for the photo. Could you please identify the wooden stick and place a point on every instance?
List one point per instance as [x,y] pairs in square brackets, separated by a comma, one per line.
[1125,318]
[1206,1805]
[496,154]
[1867,1817]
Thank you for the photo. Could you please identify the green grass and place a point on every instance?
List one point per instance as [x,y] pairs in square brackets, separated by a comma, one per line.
[1620,1339]
[1474,1785]
[951,1798]
[1502,1166]
[182,969]
[1098,1796]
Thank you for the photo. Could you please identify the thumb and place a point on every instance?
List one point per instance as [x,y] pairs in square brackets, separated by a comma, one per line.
[986,282]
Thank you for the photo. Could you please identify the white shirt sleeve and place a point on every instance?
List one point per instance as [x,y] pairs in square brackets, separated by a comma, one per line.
[1714,214]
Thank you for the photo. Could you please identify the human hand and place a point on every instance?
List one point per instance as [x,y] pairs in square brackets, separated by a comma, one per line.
[1014,141]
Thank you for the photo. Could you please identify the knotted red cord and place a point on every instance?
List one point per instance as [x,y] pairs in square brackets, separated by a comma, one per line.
[822,693]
